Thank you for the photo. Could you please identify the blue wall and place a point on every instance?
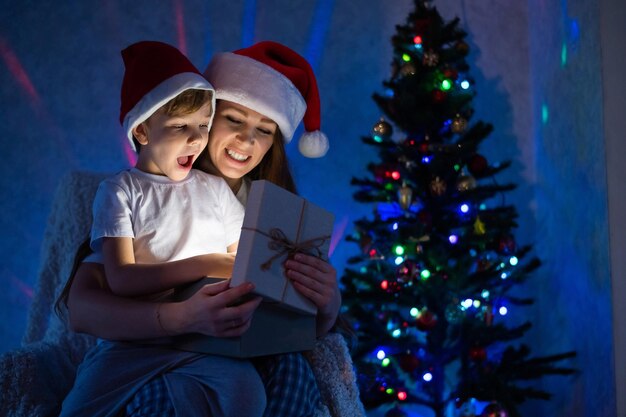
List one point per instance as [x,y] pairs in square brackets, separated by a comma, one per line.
[60,73]
[574,287]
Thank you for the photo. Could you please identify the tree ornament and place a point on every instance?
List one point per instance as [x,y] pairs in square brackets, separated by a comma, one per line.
[438,186]
[465,183]
[386,172]
[405,196]
[424,147]
[407,271]
[477,165]
[479,227]
[462,47]
[408,362]
[477,353]
[426,320]
[450,73]
[407,69]
[430,58]
[391,286]
[438,96]
[382,129]
[494,410]
[506,245]
[459,124]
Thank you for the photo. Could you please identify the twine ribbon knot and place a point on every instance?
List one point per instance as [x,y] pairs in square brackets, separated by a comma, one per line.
[281,244]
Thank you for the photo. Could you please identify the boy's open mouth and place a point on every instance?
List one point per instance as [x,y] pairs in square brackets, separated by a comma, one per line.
[185,161]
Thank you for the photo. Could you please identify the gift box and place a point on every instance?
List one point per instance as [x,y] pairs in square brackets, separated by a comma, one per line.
[273,330]
[278,224]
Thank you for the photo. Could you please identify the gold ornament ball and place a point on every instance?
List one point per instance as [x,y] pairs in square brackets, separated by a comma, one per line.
[462,47]
[405,196]
[438,186]
[382,129]
[465,183]
[430,58]
[407,69]
[479,227]
[459,124]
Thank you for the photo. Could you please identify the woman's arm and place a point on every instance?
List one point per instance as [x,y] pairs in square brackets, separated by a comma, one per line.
[95,310]
[317,280]
[127,278]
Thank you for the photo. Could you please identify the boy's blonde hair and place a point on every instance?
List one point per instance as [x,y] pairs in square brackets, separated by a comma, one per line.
[187,102]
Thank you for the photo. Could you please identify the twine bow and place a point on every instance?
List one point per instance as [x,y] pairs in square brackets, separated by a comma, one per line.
[282,245]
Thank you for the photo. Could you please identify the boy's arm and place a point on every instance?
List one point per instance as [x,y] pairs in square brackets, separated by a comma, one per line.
[127,278]
[93,309]
[232,248]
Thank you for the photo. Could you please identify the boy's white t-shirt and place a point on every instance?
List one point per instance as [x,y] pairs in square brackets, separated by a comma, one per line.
[168,220]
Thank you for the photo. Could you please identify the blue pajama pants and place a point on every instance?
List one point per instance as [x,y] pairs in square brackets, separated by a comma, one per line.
[289,384]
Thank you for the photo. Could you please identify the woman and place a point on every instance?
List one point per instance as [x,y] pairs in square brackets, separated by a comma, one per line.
[262,93]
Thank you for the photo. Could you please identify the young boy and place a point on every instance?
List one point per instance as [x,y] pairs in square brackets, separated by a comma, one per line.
[162,223]
[158,225]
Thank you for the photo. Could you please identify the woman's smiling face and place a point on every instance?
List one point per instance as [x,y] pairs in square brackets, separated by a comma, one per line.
[238,140]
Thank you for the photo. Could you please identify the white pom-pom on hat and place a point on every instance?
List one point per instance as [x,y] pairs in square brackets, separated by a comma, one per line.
[313,144]
[277,82]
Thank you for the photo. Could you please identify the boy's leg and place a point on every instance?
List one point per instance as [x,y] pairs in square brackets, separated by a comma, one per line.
[152,400]
[208,385]
[289,384]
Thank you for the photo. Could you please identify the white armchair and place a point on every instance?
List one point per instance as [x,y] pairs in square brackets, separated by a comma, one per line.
[35,378]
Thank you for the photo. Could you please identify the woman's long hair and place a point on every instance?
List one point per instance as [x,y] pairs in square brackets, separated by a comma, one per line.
[84,250]
[274,166]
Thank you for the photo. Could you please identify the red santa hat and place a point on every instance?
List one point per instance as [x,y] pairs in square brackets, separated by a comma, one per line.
[155,73]
[277,82]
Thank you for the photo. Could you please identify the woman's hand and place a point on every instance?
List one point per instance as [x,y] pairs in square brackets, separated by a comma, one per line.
[95,310]
[317,280]
[215,310]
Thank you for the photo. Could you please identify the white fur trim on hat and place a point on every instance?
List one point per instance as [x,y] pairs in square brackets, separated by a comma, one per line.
[160,95]
[252,84]
[313,144]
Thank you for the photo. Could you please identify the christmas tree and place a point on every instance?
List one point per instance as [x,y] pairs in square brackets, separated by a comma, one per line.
[439,265]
